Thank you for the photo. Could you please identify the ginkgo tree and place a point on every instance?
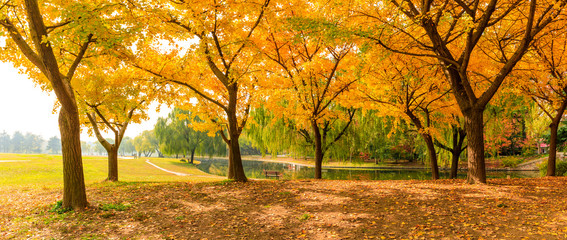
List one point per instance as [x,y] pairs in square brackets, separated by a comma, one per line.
[113,95]
[309,74]
[544,79]
[49,40]
[210,60]
[410,89]
[477,43]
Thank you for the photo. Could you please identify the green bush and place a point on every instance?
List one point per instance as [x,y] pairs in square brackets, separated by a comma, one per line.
[560,168]
[529,151]
[511,161]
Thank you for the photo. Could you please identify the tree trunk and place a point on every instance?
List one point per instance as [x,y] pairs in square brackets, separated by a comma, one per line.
[192,154]
[552,159]
[74,195]
[318,149]
[474,127]
[431,155]
[458,139]
[235,168]
[112,164]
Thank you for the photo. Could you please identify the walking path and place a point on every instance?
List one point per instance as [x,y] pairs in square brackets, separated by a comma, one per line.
[178,173]
[165,170]
[533,164]
[1,161]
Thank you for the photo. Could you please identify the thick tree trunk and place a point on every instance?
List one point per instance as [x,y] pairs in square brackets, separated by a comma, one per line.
[552,159]
[74,195]
[474,126]
[192,155]
[431,155]
[318,148]
[112,164]
[236,170]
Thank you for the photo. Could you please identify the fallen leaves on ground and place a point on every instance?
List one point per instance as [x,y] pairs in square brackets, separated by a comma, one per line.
[313,209]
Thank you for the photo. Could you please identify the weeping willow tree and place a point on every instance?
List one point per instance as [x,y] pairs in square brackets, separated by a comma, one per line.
[177,137]
[271,135]
[369,137]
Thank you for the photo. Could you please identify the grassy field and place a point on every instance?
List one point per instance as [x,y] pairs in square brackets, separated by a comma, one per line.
[47,170]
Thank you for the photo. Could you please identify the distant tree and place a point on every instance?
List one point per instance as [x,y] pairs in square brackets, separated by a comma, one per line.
[54,145]
[17,142]
[87,148]
[99,149]
[4,142]
[176,135]
[146,143]
[127,146]
[32,143]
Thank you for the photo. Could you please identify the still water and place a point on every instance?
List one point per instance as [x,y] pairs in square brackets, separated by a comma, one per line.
[254,169]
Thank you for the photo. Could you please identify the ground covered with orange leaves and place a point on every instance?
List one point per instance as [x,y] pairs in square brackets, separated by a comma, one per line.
[446,209]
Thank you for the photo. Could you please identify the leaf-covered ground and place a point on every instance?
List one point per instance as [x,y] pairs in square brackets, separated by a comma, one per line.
[446,209]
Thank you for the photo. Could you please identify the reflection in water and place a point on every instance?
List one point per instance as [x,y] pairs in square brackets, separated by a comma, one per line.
[254,169]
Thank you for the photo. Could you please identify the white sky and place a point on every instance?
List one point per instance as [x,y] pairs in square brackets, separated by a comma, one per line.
[26,108]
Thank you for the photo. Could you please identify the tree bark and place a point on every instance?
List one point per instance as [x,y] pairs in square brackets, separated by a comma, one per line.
[74,194]
[236,170]
[552,159]
[112,164]
[318,147]
[474,126]
[431,155]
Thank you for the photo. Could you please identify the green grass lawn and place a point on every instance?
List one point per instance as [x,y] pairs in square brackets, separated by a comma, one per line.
[46,171]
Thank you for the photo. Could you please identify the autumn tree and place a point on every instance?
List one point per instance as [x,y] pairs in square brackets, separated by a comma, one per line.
[309,73]
[49,44]
[544,80]
[111,97]
[218,68]
[409,89]
[463,36]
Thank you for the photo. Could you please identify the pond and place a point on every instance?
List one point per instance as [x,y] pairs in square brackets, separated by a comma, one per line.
[254,169]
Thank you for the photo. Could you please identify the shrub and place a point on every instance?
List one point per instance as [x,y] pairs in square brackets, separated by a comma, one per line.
[511,161]
[560,168]
[529,151]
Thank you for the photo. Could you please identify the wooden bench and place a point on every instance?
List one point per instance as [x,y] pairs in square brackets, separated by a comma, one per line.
[271,173]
